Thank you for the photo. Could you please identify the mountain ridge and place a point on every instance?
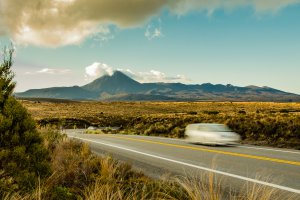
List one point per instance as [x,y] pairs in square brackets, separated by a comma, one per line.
[120,87]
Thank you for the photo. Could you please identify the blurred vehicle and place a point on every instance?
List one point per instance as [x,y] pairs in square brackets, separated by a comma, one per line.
[208,133]
[92,128]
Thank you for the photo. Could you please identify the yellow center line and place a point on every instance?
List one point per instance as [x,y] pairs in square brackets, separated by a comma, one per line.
[212,151]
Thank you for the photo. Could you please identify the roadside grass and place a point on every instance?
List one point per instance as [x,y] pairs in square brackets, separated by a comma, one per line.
[93,132]
[77,173]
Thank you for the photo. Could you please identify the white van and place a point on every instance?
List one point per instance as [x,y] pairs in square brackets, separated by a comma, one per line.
[208,133]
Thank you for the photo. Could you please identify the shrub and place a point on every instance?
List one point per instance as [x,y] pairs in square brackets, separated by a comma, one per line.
[23,158]
[284,111]
[52,137]
[178,132]
[211,112]
[192,113]
[242,112]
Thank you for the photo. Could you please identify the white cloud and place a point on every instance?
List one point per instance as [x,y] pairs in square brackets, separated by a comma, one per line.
[152,32]
[75,35]
[96,70]
[103,34]
[64,22]
[50,71]
[183,6]
[54,23]
[155,76]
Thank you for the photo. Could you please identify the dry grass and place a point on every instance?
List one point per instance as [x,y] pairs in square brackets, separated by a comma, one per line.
[262,123]
[94,132]
[41,110]
[201,188]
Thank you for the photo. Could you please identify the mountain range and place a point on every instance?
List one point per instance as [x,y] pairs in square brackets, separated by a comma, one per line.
[120,87]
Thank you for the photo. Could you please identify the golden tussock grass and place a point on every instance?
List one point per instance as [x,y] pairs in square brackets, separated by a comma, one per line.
[263,123]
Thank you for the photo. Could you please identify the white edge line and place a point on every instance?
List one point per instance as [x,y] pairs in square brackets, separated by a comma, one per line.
[269,149]
[199,167]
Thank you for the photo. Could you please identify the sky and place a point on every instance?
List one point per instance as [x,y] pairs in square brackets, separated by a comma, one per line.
[72,42]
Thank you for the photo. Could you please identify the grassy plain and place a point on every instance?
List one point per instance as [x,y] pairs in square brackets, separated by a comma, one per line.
[267,123]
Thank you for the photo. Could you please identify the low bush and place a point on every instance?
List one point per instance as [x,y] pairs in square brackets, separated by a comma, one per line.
[23,158]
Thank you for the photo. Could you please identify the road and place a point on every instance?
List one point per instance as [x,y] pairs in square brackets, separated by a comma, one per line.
[234,166]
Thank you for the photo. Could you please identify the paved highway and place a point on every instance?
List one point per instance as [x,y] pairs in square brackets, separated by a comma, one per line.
[234,166]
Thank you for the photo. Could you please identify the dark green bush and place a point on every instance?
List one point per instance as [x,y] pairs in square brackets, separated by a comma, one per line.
[211,112]
[192,113]
[23,158]
[62,193]
[284,111]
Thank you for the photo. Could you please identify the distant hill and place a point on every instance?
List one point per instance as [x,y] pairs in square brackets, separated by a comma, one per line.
[74,92]
[120,87]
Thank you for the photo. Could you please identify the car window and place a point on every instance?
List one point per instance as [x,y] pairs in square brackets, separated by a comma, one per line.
[203,128]
[221,127]
[213,128]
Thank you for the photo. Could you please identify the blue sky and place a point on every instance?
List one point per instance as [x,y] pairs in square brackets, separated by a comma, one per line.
[250,43]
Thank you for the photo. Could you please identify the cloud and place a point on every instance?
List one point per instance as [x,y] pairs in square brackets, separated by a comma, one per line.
[184,6]
[54,23]
[154,32]
[154,76]
[50,71]
[103,34]
[2,27]
[96,70]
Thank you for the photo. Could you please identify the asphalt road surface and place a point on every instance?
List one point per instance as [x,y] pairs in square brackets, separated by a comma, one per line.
[235,166]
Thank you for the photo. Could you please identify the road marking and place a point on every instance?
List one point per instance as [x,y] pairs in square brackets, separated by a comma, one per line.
[242,146]
[211,151]
[197,167]
[269,149]
[161,138]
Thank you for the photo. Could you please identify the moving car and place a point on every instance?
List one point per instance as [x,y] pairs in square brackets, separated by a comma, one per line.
[92,128]
[208,133]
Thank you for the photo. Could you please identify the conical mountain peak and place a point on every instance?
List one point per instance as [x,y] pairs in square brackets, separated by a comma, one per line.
[119,74]
[116,83]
